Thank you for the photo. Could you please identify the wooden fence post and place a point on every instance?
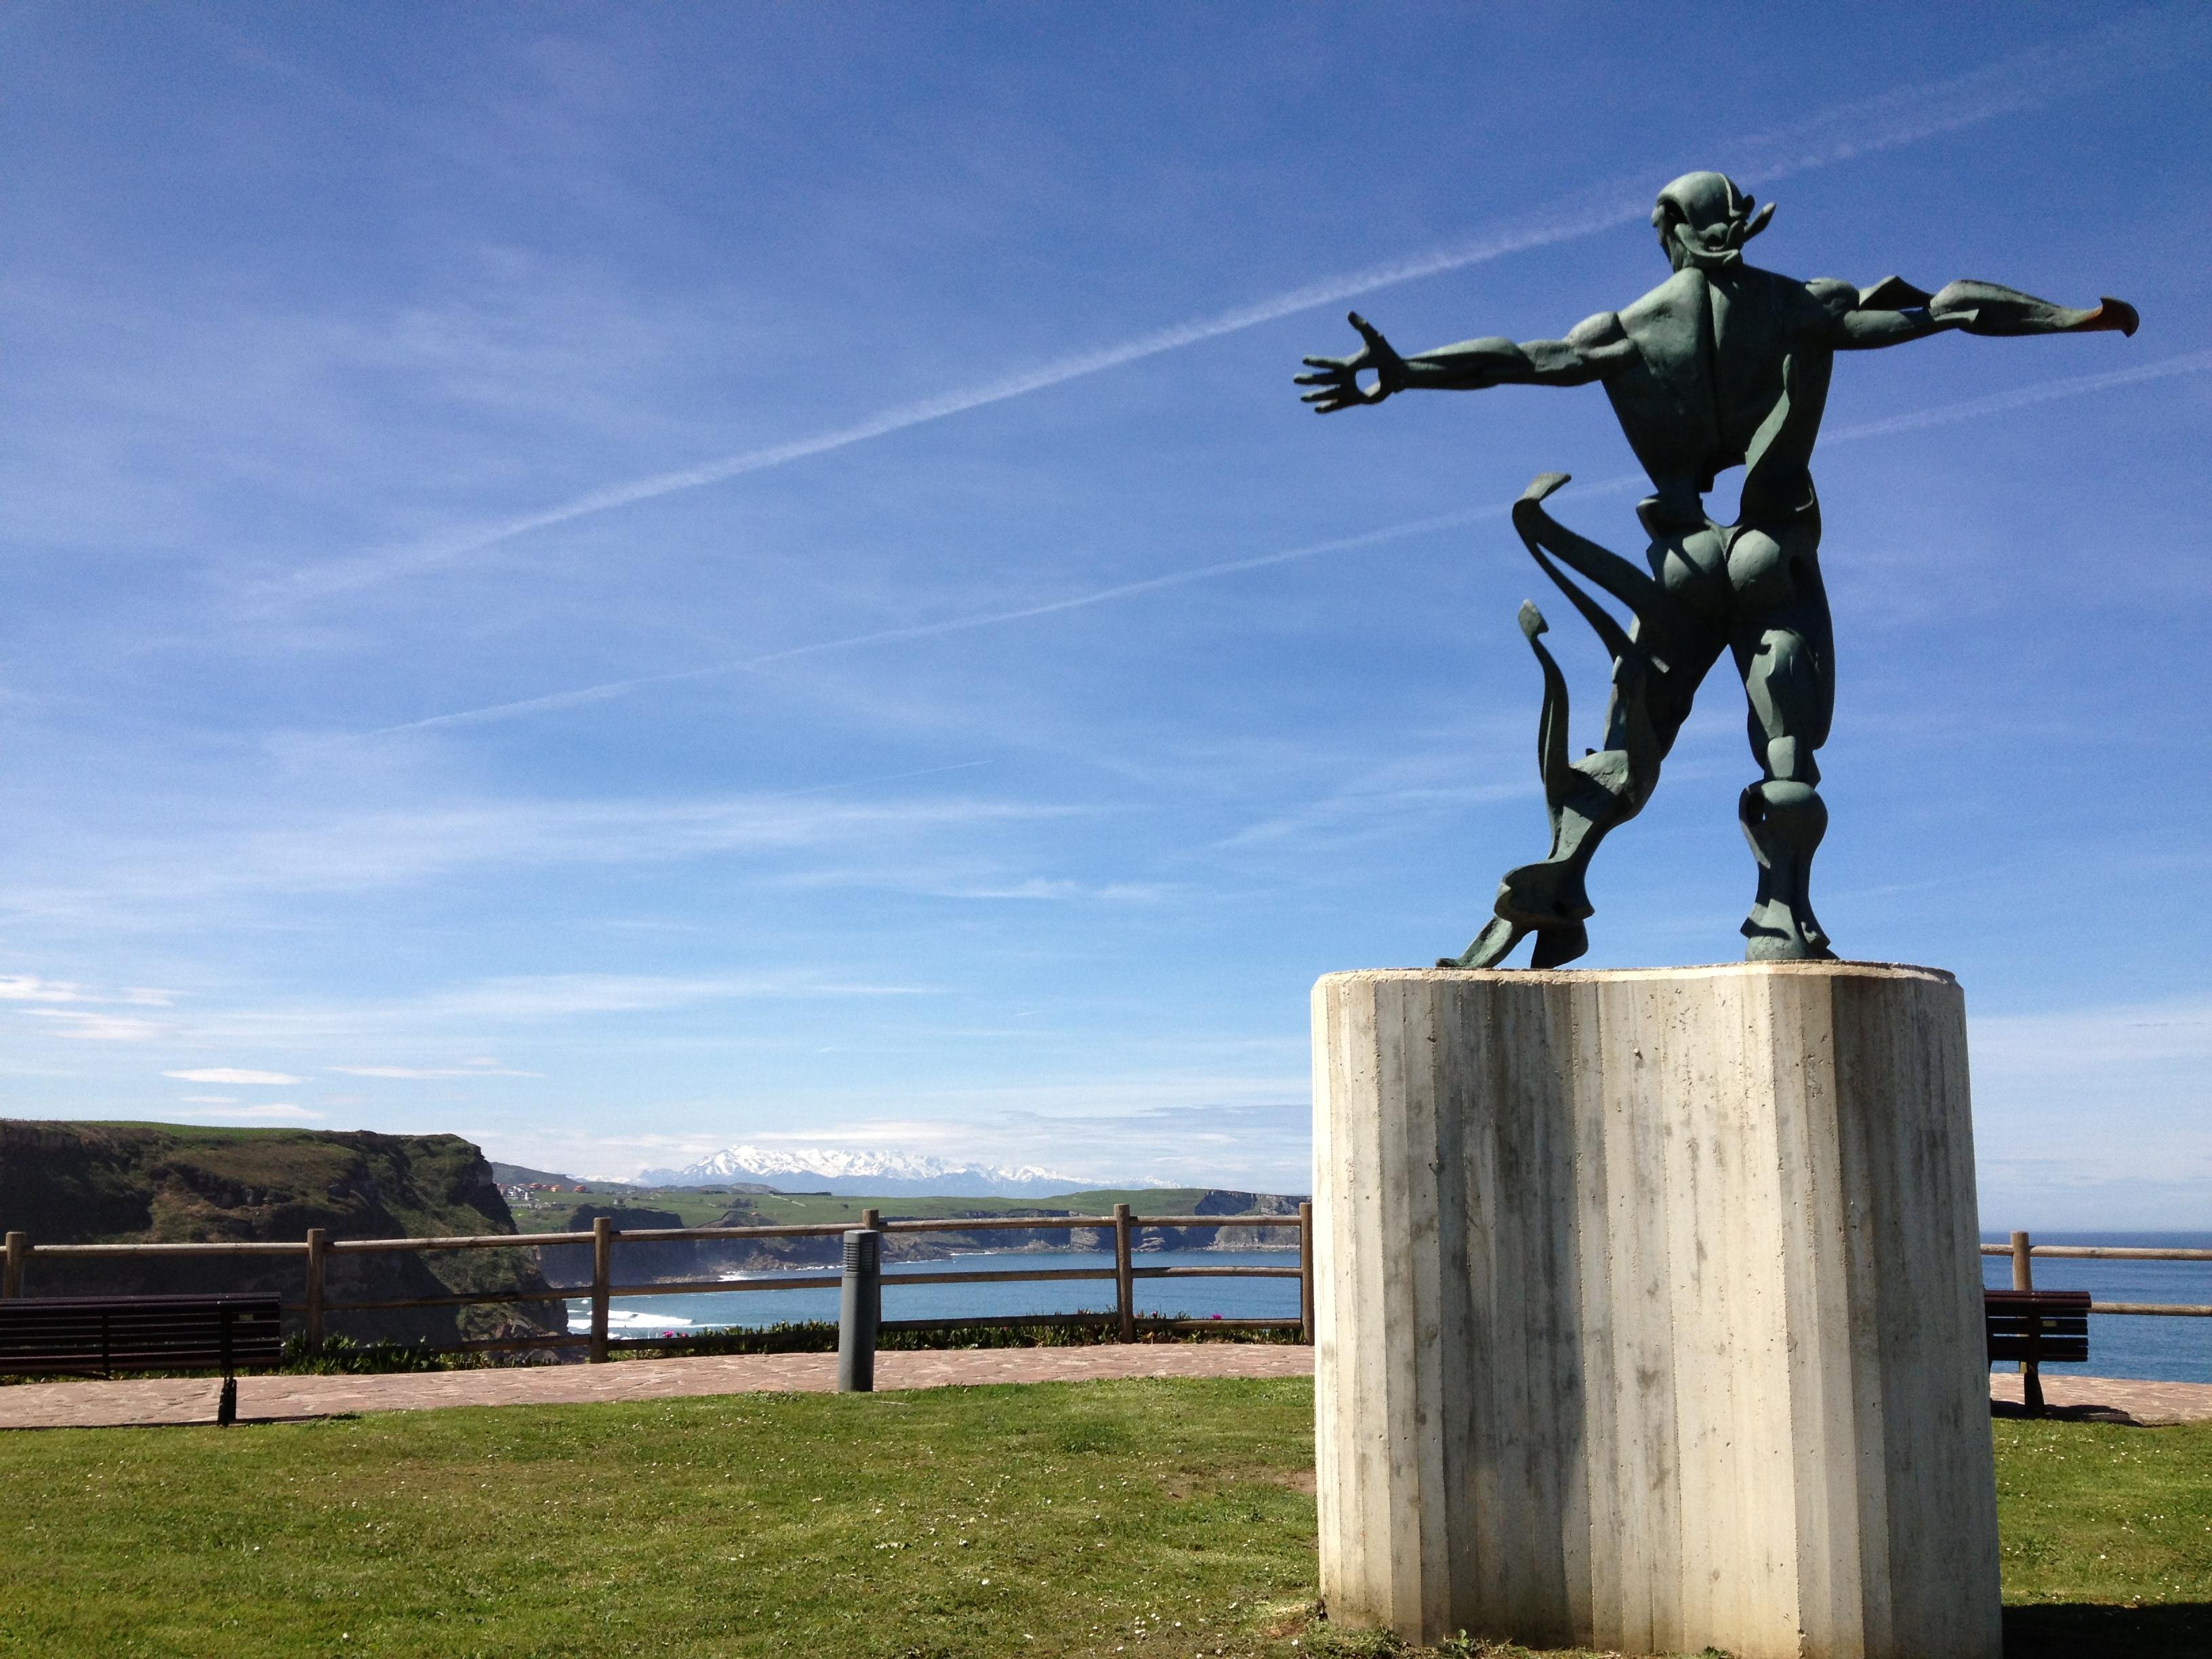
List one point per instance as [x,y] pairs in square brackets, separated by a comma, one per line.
[1125,1283]
[872,1219]
[19,1252]
[602,1258]
[1306,1273]
[2023,1278]
[319,1244]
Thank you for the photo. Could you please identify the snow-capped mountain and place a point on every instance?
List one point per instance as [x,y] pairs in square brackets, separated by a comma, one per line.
[865,1174]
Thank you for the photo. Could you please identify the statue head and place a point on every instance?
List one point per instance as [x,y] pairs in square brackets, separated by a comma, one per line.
[1703,219]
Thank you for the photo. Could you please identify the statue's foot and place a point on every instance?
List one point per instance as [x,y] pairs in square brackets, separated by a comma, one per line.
[1776,933]
[1559,945]
[1491,946]
[1554,946]
[1546,895]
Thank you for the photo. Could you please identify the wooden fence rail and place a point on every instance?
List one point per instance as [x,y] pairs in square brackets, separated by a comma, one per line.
[2023,1251]
[316,1250]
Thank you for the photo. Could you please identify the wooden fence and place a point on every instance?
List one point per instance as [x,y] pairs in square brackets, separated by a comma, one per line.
[316,1249]
[2023,1252]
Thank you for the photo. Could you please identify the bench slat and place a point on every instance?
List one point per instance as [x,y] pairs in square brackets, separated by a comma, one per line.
[2045,1327]
[49,1335]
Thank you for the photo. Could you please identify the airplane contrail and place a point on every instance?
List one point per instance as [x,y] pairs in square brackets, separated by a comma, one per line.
[951,625]
[2042,391]
[1862,127]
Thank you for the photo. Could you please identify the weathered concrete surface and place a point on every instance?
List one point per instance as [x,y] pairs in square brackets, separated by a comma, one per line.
[1649,1312]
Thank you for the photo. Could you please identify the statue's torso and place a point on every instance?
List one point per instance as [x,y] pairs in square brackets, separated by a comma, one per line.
[1728,370]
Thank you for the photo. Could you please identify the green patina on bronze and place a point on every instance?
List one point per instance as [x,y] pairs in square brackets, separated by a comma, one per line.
[1722,365]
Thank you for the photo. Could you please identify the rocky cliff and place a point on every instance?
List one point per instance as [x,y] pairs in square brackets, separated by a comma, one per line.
[84,1183]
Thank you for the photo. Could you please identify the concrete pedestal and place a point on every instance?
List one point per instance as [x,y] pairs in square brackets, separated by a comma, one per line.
[1649,1312]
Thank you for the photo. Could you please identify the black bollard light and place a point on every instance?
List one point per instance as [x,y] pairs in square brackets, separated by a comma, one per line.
[859,1311]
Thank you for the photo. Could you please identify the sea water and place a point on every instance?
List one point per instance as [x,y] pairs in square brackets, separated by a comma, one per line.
[2152,1348]
[1173,1298]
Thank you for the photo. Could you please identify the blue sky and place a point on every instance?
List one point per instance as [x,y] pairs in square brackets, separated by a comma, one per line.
[618,581]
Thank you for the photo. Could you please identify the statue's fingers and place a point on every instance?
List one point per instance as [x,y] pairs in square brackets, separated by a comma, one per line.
[1334,377]
[1325,362]
[1320,397]
[1368,331]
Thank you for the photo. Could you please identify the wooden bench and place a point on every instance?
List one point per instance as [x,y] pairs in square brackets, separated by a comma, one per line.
[98,1336]
[2035,1328]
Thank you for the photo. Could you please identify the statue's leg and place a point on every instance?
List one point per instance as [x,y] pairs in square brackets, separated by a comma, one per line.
[1587,798]
[1658,665]
[1789,677]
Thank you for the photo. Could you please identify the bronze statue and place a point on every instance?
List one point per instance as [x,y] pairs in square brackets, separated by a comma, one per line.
[1722,365]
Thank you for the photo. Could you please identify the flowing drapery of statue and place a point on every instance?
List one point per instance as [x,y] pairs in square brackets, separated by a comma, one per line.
[1722,365]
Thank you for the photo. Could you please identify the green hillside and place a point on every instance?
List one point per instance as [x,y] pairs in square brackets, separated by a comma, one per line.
[802,1208]
[709,1207]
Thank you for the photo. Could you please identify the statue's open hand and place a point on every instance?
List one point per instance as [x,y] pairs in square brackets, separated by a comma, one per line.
[1338,377]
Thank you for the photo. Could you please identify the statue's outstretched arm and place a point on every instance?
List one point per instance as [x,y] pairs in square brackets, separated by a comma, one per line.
[1584,356]
[1892,311]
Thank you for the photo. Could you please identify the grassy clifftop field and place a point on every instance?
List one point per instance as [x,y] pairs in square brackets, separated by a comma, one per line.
[1143,1519]
[82,1183]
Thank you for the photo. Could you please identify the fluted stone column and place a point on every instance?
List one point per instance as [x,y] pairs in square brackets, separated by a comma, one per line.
[1649,1311]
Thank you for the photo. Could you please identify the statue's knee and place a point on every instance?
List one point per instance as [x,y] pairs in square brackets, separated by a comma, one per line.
[1784,813]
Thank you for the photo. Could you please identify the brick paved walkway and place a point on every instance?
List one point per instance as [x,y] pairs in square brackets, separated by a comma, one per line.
[153,1401]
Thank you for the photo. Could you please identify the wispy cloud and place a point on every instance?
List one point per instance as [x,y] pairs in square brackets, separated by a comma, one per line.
[1044,887]
[30,988]
[233,1074]
[555,996]
[518,999]
[338,851]
[84,1026]
[424,1073]
[1844,133]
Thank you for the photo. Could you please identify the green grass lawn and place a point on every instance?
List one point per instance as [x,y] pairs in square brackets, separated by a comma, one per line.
[2107,1539]
[1148,1518]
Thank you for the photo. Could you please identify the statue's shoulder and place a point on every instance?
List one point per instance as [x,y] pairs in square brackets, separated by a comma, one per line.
[1835,296]
[1682,294]
[1595,333]
[1808,306]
